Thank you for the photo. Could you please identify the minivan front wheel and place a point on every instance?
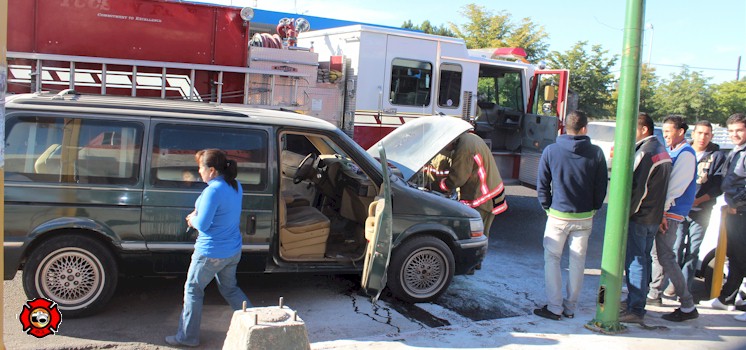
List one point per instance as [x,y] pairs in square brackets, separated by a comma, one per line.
[76,272]
[421,269]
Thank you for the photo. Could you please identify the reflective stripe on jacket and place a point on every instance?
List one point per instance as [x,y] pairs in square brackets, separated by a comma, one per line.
[474,171]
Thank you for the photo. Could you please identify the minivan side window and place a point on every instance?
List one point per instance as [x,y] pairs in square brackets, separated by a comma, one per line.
[73,150]
[174,146]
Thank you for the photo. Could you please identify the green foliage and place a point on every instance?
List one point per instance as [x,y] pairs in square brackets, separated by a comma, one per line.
[484,29]
[648,86]
[427,27]
[729,97]
[686,93]
[590,76]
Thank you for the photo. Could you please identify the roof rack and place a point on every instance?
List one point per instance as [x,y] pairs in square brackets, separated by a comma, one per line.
[65,97]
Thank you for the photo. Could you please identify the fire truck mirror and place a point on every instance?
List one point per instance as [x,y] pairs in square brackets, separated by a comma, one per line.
[549,93]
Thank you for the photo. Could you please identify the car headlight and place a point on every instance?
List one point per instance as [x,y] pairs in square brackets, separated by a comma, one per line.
[476,227]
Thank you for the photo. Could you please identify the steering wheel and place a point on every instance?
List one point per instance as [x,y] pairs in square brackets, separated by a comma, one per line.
[304,168]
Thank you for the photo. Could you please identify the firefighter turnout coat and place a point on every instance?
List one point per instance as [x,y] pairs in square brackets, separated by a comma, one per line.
[474,172]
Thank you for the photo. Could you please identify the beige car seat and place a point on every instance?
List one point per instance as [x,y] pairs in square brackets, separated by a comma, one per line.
[289,166]
[304,231]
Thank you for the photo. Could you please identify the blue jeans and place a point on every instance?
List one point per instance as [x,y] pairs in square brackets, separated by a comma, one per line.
[637,265]
[689,238]
[201,271]
[666,267]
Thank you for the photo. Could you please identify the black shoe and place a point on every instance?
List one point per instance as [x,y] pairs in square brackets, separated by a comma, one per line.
[653,302]
[566,315]
[680,316]
[544,312]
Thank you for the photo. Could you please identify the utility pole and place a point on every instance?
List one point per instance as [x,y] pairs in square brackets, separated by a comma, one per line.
[3,87]
[650,48]
[738,69]
[617,218]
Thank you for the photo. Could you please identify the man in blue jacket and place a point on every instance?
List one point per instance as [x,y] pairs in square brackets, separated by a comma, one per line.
[692,230]
[571,187]
[679,199]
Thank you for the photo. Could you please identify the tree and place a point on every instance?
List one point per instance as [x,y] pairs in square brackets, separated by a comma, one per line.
[686,93]
[729,97]
[484,29]
[590,76]
[648,86]
[428,28]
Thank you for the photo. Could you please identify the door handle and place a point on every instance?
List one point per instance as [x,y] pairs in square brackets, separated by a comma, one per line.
[251,224]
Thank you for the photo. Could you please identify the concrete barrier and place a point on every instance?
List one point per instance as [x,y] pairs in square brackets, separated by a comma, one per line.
[260,328]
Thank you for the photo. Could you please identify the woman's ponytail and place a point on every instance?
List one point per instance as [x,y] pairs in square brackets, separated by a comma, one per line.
[217,159]
[230,173]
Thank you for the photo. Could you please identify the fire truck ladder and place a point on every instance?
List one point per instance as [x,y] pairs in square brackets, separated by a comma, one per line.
[35,70]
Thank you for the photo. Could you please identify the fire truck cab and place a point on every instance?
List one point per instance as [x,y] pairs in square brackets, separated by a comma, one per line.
[394,76]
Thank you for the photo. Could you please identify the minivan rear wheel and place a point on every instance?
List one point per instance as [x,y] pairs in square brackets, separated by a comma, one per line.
[74,271]
[421,269]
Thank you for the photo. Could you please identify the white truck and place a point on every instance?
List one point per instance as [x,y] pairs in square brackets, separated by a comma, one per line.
[393,75]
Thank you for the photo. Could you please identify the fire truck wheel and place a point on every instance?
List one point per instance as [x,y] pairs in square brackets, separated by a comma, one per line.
[421,269]
[75,271]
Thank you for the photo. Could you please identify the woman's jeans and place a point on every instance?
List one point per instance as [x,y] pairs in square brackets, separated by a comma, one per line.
[201,271]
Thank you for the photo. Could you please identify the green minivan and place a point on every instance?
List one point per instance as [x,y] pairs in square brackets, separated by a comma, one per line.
[97,187]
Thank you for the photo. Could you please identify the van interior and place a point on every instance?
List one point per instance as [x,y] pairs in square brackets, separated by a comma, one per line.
[324,201]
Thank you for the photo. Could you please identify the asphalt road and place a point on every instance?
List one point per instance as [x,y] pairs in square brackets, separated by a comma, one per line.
[145,310]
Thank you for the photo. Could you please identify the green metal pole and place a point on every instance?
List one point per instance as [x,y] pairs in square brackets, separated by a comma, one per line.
[615,239]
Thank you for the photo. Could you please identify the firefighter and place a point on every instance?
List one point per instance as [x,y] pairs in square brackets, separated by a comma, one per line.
[472,170]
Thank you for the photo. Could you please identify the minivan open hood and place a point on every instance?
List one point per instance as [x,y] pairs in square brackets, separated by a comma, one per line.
[410,146]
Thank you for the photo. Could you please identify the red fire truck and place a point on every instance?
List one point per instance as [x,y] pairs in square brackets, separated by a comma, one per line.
[365,79]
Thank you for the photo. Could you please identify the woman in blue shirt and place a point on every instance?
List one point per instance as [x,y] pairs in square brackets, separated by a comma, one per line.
[217,250]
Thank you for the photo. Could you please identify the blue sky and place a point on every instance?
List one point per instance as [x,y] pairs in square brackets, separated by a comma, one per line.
[708,36]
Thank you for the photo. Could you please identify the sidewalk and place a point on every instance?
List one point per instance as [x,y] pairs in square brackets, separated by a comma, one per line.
[714,329]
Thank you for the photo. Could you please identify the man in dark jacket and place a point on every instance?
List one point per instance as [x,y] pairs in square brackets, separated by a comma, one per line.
[571,187]
[734,188]
[692,230]
[652,169]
